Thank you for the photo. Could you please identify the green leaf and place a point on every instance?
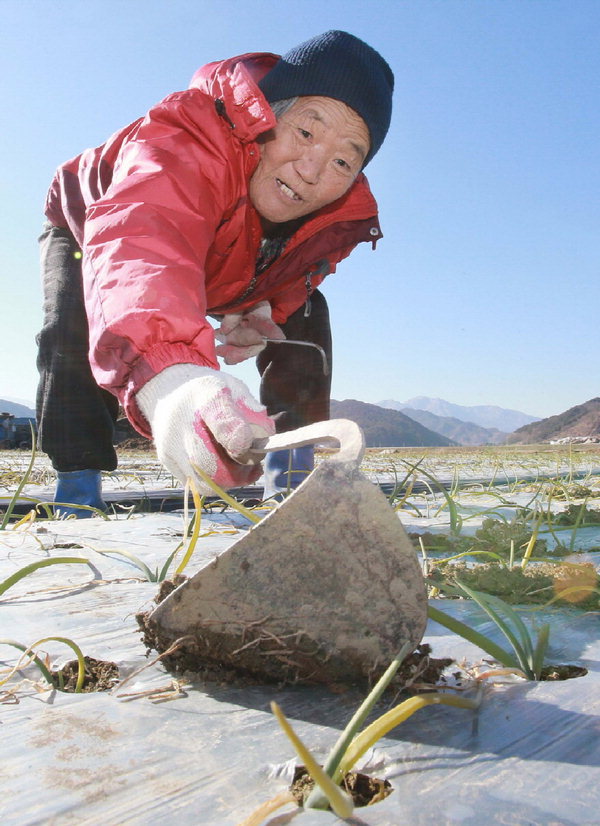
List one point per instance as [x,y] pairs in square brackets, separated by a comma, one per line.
[45,672]
[162,575]
[470,634]
[523,648]
[151,576]
[496,557]
[540,650]
[27,650]
[42,563]
[384,724]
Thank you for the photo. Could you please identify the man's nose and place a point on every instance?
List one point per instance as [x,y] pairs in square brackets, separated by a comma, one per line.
[310,165]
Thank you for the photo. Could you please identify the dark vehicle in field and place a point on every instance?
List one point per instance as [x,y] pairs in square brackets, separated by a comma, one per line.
[15,431]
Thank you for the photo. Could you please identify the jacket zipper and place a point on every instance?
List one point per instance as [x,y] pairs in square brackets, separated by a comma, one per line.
[222,112]
[308,275]
[247,292]
[309,292]
[252,285]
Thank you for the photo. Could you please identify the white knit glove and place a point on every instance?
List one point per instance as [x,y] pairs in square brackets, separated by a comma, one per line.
[243,335]
[200,416]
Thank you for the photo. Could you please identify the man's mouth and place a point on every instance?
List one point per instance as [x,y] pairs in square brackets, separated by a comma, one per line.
[287,191]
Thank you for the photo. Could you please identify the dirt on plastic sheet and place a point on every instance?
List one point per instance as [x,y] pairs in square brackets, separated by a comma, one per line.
[562,672]
[100,675]
[364,790]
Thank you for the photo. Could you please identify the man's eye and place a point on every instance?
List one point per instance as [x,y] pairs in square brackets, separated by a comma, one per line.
[305,134]
[343,165]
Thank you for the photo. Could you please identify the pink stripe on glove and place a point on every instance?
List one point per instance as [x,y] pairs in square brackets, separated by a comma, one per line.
[202,417]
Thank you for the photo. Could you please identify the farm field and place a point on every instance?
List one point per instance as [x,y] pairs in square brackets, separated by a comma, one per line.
[521,524]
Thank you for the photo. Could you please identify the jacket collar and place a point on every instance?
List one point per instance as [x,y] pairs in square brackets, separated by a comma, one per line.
[235,82]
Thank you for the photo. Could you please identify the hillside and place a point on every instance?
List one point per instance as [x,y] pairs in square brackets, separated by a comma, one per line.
[464,433]
[581,422]
[488,416]
[387,428]
[19,410]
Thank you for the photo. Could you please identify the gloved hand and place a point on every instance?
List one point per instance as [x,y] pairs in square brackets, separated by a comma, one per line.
[200,416]
[243,335]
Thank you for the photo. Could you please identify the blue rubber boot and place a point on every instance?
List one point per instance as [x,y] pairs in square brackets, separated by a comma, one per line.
[277,476]
[78,487]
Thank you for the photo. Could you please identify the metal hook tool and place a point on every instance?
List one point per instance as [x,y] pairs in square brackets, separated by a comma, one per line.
[304,344]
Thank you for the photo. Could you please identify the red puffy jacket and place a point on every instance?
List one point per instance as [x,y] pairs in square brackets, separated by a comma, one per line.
[162,213]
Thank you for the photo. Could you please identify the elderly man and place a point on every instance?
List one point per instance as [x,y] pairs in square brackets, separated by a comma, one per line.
[232,200]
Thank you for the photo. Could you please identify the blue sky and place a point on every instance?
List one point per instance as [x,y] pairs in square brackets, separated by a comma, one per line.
[484,289]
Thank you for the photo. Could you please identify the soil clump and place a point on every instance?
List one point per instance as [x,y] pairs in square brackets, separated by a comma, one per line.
[100,675]
[364,790]
[556,673]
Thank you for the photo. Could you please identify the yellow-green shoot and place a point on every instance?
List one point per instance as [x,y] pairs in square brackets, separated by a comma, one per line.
[353,743]
[11,505]
[29,651]
[252,517]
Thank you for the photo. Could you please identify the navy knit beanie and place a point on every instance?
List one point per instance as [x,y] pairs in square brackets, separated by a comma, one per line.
[337,65]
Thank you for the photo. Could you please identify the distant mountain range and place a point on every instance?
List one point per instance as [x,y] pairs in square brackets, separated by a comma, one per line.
[463,433]
[18,410]
[397,424]
[488,416]
[387,428]
[579,422]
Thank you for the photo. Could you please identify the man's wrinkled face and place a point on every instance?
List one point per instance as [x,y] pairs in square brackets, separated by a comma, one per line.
[310,159]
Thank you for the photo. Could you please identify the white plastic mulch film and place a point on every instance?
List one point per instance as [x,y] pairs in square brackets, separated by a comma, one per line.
[157,749]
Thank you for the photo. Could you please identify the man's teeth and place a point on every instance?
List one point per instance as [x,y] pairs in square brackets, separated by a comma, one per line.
[287,191]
